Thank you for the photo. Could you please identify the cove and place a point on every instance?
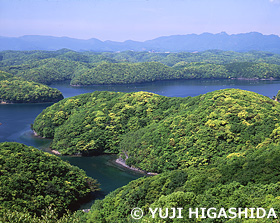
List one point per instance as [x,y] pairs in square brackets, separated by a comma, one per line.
[17,118]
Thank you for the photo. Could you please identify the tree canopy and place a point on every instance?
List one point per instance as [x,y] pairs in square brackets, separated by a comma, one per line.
[4,75]
[240,180]
[87,68]
[32,181]
[16,90]
[159,133]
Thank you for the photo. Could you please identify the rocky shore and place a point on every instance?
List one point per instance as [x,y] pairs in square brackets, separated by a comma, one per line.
[121,162]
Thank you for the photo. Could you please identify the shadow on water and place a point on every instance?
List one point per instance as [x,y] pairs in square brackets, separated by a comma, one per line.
[102,168]
[108,174]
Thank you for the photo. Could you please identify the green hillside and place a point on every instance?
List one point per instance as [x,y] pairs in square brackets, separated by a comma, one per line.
[4,75]
[16,90]
[124,73]
[94,122]
[11,57]
[45,71]
[210,125]
[32,181]
[238,180]
[158,133]
[88,68]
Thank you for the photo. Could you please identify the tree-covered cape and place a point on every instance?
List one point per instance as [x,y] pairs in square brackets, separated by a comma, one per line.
[32,181]
[17,90]
[159,133]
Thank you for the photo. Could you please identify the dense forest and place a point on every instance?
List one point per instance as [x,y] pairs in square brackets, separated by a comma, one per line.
[12,58]
[124,73]
[94,122]
[87,68]
[20,91]
[35,183]
[5,75]
[159,133]
[220,149]
[45,71]
[247,179]
[208,126]
[17,90]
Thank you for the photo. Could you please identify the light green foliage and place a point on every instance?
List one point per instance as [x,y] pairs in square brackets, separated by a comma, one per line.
[218,150]
[10,58]
[124,73]
[49,216]
[16,90]
[160,133]
[278,96]
[31,181]
[208,126]
[201,70]
[94,122]
[250,180]
[4,75]
[253,70]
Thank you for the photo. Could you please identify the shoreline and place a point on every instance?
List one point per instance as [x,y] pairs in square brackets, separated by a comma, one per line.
[176,79]
[53,151]
[254,79]
[120,161]
[5,103]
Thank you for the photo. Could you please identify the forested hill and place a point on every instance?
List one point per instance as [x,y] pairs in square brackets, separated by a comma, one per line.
[17,90]
[32,181]
[177,43]
[219,149]
[13,58]
[124,73]
[89,68]
[158,133]
[94,122]
[238,180]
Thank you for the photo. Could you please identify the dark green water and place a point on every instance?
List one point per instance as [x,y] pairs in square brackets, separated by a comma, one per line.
[17,118]
[103,168]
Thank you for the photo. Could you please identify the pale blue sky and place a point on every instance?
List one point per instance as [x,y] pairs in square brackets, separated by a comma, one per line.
[140,20]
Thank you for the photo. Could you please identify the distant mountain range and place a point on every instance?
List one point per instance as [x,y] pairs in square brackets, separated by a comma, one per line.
[176,43]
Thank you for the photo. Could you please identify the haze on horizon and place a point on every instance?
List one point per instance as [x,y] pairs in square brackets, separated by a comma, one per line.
[139,20]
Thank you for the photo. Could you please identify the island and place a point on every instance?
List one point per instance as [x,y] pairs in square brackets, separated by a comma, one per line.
[17,90]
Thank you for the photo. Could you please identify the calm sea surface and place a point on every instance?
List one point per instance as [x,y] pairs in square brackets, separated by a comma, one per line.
[17,118]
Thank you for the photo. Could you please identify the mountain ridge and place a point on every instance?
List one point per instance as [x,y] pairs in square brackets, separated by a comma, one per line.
[242,42]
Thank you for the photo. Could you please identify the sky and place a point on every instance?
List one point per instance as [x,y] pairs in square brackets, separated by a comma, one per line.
[139,20]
